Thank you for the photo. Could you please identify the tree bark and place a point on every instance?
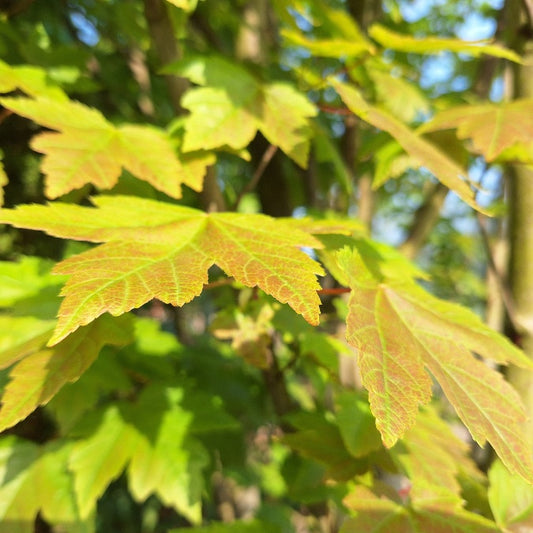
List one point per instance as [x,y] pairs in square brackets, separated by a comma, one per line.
[521,217]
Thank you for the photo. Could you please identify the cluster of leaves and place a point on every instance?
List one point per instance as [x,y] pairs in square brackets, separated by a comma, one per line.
[127,401]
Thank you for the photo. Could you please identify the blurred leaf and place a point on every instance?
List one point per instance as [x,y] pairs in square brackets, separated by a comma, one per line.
[151,439]
[88,149]
[38,377]
[511,499]
[494,129]
[445,169]
[233,105]
[35,479]
[434,45]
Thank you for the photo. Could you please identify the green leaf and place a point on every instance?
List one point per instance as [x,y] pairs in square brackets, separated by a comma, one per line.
[233,105]
[399,97]
[445,169]
[399,330]
[356,423]
[35,479]
[252,526]
[435,45]
[159,250]
[38,377]
[510,498]
[24,279]
[32,80]
[493,128]
[319,439]
[334,47]
[101,457]
[21,336]
[377,510]
[432,457]
[151,439]
[89,149]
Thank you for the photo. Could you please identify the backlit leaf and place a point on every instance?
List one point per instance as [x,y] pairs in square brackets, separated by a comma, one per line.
[378,510]
[493,128]
[159,250]
[510,498]
[150,439]
[434,45]
[38,377]
[400,331]
[428,155]
[432,457]
[35,479]
[232,105]
[32,80]
[86,148]
[327,47]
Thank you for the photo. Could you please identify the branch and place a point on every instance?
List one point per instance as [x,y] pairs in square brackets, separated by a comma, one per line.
[166,47]
[258,174]
[425,218]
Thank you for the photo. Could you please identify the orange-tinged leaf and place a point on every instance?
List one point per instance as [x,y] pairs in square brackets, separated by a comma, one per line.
[38,377]
[400,331]
[432,457]
[493,128]
[377,510]
[428,155]
[159,250]
[86,148]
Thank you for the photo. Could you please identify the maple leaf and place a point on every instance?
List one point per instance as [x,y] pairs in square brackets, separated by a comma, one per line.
[399,330]
[32,80]
[233,105]
[493,128]
[428,155]
[510,498]
[151,439]
[434,45]
[38,482]
[86,148]
[432,457]
[377,509]
[39,376]
[159,250]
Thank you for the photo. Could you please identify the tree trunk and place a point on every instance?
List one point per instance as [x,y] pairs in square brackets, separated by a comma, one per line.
[521,219]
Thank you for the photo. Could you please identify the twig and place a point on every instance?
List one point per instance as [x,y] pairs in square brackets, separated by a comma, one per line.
[258,174]
[503,288]
[334,291]
[505,292]
[334,110]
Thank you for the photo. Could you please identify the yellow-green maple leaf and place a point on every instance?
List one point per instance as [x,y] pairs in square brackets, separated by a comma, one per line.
[493,128]
[35,479]
[86,148]
[435,45]
[159,250]
[38,376]
[428,155]
[232,105]
[400,331]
